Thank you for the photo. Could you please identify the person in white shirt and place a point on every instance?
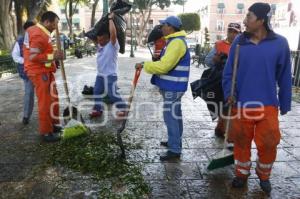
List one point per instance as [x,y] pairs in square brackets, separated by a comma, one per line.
[106,80]
[17,55]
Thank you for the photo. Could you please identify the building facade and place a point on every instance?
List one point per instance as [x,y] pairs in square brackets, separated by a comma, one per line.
[217,14]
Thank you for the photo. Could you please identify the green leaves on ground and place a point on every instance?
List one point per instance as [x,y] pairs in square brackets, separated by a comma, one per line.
[99,155]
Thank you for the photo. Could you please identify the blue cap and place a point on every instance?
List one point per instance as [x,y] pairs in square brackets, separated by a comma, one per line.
[173,21]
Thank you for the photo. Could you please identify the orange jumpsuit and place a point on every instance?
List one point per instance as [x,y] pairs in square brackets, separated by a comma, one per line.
[40,66]
[262,126]
[222,46]
[158,46]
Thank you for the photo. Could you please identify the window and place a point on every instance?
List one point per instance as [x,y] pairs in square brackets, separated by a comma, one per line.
[64,26]
[76,26]
[273,9]
[150,24]
[221,8]
[220,25]
[240,8]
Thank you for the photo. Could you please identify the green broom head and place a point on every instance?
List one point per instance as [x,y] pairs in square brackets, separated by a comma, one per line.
[73,129]
[223,159]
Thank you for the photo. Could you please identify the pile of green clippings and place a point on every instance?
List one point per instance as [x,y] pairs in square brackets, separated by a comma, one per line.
[99,155]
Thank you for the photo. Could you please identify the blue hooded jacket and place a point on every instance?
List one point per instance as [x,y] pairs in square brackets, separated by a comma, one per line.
[264,72]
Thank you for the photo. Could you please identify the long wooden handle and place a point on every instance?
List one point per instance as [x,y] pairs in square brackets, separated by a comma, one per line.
[134,82]
[63,73]
[232,90]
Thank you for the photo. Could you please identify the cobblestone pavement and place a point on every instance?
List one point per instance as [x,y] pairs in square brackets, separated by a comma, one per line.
[185,179]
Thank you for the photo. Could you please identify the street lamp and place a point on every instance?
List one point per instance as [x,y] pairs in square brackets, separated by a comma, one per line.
[131,36]
[131,30]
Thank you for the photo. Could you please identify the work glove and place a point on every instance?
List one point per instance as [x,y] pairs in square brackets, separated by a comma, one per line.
[231,100]
[139,65]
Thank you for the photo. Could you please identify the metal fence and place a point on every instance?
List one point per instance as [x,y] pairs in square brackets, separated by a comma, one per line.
[7,66]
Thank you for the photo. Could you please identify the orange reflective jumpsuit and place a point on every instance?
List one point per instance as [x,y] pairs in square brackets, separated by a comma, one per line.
[158,46]
[261,125]
[39,66]
[222,47]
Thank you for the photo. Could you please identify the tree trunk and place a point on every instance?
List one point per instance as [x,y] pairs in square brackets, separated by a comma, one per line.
[6,27]
[144,21]
[19,12]
[34,8]
[94,8]
[70,21]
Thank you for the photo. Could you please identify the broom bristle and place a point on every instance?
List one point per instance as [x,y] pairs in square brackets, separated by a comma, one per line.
[74,129]
[221,162]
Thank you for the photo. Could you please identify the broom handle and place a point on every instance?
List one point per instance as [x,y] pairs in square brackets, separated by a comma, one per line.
[150,49]
[63,73]
[134,83]
[232,90]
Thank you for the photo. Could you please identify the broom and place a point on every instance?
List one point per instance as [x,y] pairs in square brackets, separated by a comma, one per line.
[120,130]
[73,127]
[225,157]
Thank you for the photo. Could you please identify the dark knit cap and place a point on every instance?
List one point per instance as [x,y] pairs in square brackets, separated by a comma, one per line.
[262,11]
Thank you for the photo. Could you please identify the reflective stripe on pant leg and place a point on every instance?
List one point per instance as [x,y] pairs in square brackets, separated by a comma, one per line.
[263,170]
[242,132]
[242,168]
[267,137]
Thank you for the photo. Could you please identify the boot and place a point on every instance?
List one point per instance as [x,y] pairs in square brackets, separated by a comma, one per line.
[265,185]
[239,182]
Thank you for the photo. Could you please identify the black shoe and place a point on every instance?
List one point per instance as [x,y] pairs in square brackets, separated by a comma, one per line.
[57,129]
[265,185]
[25,120]
[51,137]
[168,156]
[219,133]
[165,144]
[230,146]
[239,182]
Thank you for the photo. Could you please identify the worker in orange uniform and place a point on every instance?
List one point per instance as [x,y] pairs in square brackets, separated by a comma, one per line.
[263,87]
[217,58]
[39,62]
[159,44]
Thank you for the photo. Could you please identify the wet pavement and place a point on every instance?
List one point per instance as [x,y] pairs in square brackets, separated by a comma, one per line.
[185,179]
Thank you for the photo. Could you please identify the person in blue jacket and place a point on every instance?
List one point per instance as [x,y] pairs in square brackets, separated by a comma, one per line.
[263,86]
[17,55]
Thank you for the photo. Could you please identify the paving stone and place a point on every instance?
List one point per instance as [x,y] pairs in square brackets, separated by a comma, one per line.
[154,171]
[182,171]
[295,152]
[169,189]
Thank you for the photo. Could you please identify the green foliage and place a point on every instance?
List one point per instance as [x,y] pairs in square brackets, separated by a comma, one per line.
[4,53]
[99,155]
[146,4]
[180,2]
[190,21]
